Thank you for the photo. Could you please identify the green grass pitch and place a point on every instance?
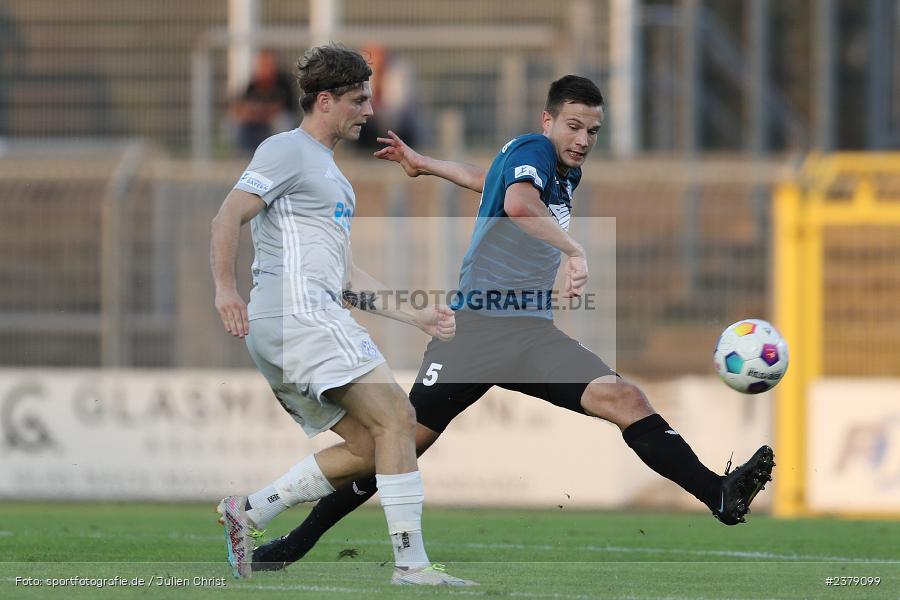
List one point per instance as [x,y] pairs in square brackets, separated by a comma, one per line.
[553,554]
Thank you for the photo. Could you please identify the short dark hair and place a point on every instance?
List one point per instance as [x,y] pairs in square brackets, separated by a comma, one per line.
[333,68]
[574,89]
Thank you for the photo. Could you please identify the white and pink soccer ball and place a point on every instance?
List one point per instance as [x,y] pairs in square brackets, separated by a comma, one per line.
[751,356]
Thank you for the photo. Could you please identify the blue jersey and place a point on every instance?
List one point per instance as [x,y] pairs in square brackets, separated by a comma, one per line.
[507,272]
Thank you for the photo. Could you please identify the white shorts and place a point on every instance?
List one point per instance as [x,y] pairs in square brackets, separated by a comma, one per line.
[304,355]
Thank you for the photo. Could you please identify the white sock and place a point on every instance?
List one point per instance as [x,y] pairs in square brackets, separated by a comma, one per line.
[304,482]
[402,497]
[265,505]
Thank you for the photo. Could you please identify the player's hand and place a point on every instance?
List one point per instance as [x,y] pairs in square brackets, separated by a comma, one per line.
[438,321]
[396,150]
[233,311]
[576,276]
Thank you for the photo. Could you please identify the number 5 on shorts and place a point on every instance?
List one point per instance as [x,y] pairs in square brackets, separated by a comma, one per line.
[431,375]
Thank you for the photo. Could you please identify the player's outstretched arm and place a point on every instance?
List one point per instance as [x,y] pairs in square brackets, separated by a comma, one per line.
[238,208]
[415,164]
[366,293]
[523,205]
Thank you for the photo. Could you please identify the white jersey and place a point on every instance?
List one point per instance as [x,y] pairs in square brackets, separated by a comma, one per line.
[301,239]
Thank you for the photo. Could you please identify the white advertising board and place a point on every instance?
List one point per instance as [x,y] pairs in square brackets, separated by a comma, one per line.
[160,435]
[199,435]
[853,451]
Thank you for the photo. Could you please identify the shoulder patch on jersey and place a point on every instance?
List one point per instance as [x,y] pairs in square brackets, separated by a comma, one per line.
[507,145]
[528,171]
[256,181]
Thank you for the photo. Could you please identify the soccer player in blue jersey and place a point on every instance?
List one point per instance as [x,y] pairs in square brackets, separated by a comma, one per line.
[505,334]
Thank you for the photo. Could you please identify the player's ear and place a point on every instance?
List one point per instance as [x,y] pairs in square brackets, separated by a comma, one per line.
[546,121]
[324,101]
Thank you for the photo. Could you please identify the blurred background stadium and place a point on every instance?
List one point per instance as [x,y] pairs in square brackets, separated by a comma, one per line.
[732,131]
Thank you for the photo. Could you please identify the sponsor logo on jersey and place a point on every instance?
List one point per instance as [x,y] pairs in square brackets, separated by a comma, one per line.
[342,215]
[256,181]
[273,498]
[529,171]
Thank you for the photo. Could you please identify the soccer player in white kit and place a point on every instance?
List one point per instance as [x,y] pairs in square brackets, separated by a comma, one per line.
[321,364]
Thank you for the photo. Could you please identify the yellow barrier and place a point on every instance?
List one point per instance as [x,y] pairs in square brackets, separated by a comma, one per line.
[843,190]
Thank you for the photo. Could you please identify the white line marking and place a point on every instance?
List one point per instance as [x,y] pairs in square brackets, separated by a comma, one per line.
[305,588]
[626,550]
[453,592]
[763,556]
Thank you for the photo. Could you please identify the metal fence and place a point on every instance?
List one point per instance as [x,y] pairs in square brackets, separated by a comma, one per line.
[123,68]
[105,258]
[680,75]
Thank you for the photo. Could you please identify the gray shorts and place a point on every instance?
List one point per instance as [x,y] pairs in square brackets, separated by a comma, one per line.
[304,355]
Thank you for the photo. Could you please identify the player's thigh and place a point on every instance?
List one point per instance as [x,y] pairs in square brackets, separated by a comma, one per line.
[357,436]
[438,404]
[560,370]
[328,349]
[316,351]
[455,374]
[264,346]
[375,400]
[302,356]
[479,353]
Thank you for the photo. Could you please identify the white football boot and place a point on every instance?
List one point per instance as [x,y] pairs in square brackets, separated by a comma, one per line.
[431,575]
[240,534]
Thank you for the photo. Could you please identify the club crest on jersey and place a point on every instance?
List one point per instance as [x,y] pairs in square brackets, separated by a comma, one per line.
[528,171]
[256,181]
[369,348]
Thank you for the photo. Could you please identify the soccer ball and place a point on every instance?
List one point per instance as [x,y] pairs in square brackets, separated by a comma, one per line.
[751,356]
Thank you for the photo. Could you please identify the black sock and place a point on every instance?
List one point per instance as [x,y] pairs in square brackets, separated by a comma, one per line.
[327,511]
[670,456]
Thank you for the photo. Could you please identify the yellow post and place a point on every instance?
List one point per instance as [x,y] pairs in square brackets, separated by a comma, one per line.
[802,217]
[790,426]
[812,273]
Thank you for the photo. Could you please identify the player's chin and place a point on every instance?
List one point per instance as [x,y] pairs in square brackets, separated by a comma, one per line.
[573,160]
[353,134]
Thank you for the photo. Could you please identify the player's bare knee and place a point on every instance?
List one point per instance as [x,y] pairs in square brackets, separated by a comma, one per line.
[614,401]
[598,397]
[634,399]
[395,417]
[406,417]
